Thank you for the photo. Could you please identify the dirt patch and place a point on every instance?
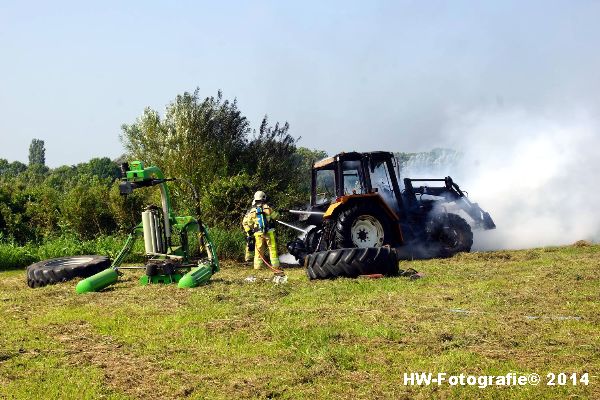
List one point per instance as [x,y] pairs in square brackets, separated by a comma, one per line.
[137,376]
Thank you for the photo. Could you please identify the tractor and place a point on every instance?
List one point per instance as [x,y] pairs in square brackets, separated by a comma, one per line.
[358,201]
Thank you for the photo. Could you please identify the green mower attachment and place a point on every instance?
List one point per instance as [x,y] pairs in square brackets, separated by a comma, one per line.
[165,261]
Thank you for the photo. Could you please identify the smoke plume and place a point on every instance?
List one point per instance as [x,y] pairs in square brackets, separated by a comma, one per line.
[537,175]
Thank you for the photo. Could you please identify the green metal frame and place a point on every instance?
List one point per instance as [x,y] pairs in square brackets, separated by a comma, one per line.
[182,225]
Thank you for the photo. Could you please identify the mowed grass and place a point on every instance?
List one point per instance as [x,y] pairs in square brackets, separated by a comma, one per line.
[481,313]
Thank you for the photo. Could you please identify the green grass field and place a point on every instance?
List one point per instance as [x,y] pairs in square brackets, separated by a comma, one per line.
[481,313]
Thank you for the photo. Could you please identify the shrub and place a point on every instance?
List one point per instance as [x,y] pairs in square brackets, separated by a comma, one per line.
[225,201]
[126,210]
[13,256]
[230,243]
[85,210]
[42,211]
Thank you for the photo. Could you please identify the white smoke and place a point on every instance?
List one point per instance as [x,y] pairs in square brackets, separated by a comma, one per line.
[537,175]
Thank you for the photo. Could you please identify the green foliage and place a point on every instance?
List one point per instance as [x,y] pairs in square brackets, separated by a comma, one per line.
[34,175]
[11,169]
[71,245]
[84,208]
[438,161]
[275,164]
[42,210]
[13,218]
[37,152]
[61,178]
[103,168]
[307,158]
[225,200]
[13,256]
[230,243]
[64,177]
[126,210]
[198,140]
[205,142]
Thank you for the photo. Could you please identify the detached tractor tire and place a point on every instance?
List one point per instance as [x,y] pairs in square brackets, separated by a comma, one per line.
[362,225]
[351,263]
[63,269]
[452,234]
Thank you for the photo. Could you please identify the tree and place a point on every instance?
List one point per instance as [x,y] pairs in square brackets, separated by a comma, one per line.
[197,140]
[84,209]
[307,159]
[13,219]
[207,142]
[438,161]
[271,159]
[11,169]
[100,167]
[37,153]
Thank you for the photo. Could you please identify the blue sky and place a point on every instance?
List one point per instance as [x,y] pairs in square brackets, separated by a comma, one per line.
[387,75]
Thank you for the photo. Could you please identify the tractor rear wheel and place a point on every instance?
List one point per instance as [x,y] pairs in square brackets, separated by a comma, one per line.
[452,234]
[64,269]
[362,225]
[351,263]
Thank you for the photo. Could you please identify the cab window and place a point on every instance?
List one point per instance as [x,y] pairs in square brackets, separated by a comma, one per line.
[381,180]
[351,175]
[325,186]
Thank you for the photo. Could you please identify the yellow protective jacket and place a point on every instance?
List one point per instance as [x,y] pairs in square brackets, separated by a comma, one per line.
[251,221]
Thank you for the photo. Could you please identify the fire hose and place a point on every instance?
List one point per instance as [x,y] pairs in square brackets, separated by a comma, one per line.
[275,270]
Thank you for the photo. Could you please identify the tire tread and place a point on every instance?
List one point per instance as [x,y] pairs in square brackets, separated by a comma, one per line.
[40,274]
[351,262]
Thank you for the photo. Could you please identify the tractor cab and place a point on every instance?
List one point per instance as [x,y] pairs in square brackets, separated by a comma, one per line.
[355,174]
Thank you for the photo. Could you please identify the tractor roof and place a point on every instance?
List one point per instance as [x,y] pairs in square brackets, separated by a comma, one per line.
[353,155]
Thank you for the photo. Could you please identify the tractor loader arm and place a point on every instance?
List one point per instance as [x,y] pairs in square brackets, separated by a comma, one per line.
[451,192]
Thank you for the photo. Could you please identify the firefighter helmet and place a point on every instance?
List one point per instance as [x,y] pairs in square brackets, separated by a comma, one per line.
[259,196]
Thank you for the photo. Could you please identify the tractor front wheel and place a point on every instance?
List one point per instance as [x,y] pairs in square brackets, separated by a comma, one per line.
[452,234]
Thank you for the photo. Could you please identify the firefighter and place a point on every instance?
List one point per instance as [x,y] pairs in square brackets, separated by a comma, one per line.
[259,226]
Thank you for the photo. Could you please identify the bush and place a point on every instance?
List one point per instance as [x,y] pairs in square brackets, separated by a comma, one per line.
[127,210]
[85,210]
[71,246]
[207,143]
[14,257]
[42,211]
[230,243]
[13,220]
[226,200]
